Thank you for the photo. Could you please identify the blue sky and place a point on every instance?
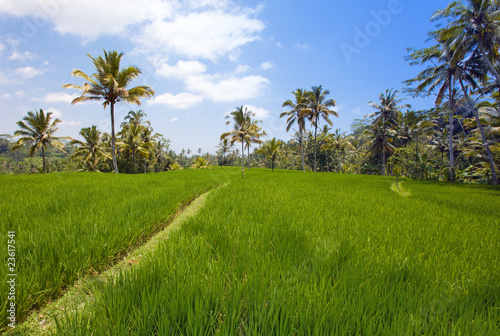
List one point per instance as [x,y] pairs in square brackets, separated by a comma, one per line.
[203,58]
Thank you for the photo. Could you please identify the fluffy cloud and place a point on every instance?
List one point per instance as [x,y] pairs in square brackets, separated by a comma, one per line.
[227,89]
[260,113]
[91,18]
[17,56]
[266,66]
[29,72]
[211,34]
[59,97]
[181,70]
[182,100]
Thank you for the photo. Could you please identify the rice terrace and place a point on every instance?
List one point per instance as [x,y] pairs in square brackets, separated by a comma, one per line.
[250,168]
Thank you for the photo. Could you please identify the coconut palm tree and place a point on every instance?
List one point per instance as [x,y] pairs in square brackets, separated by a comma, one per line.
[110,83]
[297,114]
[37,133]
[133,143]
[224,147]
[318,106]
[253,136]
[472,27]
[92,150]
[242,118]
[272,150]
[385,117]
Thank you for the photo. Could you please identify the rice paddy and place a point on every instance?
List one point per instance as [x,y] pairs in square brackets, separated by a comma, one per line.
[279,253]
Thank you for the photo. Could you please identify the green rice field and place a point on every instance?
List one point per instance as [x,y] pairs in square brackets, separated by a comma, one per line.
[278,253]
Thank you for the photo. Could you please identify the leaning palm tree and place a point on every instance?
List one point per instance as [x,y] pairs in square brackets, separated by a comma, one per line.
[37,132]
[242,121]
[318,106]
[474,26]
[92,150]
[385,117]
[297,115]
[272,150]
[110,83]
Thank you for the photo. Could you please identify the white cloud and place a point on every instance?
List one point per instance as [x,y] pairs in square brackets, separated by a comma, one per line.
[211,34]
[174,119]
[5,96]
[260,113]
[29,72]
[17,56]
[4,79]
[241,69]
[181,69]
[182,100]
[59,97]
[301,46]
[266,66]
[55,112]
[72,123]
[227,89]
[20,94]
[91,18]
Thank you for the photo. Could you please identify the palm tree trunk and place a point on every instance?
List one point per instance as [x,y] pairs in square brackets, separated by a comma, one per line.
[383,148]
[487,62]
[315,145]
[43,161]
[248,156]
[145,166]
[301,143]
[113,140]
[133,162]
[272,165]
[483,135]
[450,131]
[242,158]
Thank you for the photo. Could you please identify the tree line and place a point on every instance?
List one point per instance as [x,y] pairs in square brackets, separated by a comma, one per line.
[457,139]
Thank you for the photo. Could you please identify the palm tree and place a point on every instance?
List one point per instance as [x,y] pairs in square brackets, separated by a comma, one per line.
[297,115]
[224,147]
[92,150]
[472,27]
[272,150]
[200,163]
[134,143]
[242,121]
[385,117]
[254,134]
[110,83]
[136,118]
[440,76]
[37,132]
[318,106]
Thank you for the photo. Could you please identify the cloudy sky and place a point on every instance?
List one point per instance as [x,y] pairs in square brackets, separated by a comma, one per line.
[204,58]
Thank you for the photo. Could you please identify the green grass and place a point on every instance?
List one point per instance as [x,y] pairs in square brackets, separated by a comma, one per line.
[288,253]
[74,224]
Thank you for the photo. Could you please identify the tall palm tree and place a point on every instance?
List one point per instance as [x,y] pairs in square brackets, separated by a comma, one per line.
[242,118]
[385,117]
[297,114]
[272,150]
[37,132]
[92,150]
[441,76]
[110,83]
[318,106]
[253,136]
[472,27]
[134,143]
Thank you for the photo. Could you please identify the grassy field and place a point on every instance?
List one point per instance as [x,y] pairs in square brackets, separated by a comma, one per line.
[288,253]
[69,225]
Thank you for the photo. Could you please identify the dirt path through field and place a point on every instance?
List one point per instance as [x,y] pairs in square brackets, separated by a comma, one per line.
[81,294]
